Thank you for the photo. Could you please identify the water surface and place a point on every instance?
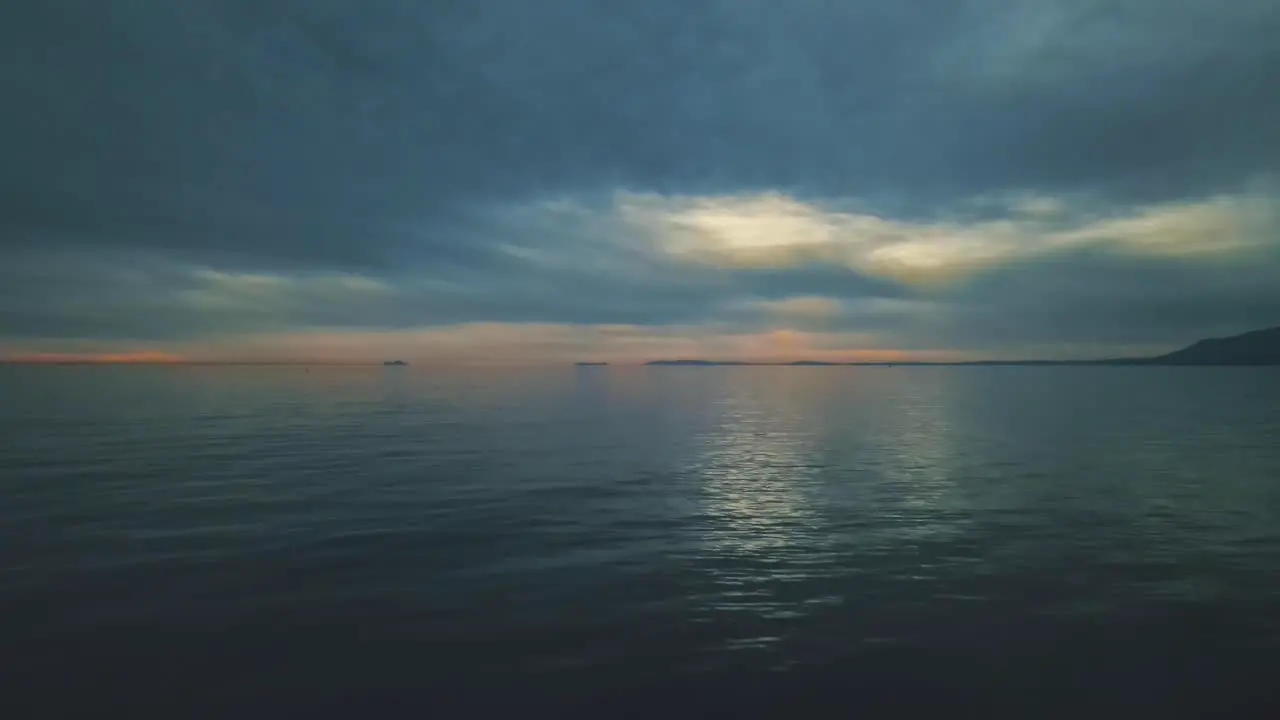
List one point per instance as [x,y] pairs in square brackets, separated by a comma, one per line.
[292,540]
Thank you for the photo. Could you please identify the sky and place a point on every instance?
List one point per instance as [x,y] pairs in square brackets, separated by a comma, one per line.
[506,181]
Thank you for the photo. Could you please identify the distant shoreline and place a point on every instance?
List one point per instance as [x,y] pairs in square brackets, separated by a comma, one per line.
[909,363]
[1255,348]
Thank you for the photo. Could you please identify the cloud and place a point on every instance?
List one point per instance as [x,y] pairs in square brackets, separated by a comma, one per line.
[776,231]
[987,176]
[760,275]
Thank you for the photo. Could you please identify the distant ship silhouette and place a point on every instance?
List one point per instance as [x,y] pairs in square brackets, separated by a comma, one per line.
[396,363]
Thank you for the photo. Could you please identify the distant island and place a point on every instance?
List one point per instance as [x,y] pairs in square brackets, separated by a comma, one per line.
[395,363]
[590,364]
[1259,347]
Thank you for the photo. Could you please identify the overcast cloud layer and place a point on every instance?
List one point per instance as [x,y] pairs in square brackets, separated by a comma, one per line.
[574,179]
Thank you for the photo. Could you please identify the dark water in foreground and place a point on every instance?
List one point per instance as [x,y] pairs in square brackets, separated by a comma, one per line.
[1009,540]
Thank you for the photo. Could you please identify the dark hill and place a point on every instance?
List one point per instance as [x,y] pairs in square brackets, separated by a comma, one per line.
[1260,347]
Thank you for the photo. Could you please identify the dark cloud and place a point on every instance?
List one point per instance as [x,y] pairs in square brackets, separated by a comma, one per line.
[72,293]
[1104,297]
[391,140]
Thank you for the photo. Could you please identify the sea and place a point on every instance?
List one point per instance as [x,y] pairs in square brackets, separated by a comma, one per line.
[639,541]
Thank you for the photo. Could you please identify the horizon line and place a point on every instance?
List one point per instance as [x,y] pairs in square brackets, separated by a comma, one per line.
[557,363]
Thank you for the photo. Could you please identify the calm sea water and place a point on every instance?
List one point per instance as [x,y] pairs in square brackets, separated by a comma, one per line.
[653,540]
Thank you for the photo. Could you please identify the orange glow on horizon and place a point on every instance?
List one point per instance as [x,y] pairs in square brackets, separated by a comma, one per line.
[497,344]
[144,356]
